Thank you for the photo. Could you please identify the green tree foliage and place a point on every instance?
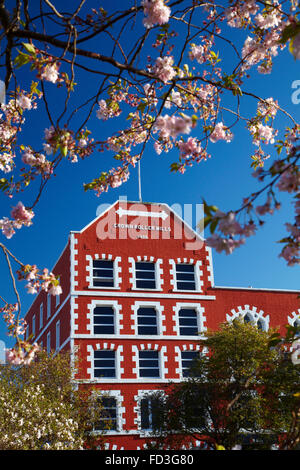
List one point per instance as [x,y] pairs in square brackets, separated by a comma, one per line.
[244,390]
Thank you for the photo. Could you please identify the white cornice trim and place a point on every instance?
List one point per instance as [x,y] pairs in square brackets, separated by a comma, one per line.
[142,295]
[256,288]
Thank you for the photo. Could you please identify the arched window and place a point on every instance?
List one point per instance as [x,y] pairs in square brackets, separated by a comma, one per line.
[250,315]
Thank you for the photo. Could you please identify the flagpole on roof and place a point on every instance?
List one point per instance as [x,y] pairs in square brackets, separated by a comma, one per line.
[140,182]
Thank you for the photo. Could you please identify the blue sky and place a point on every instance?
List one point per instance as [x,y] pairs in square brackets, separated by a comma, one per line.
[224,180]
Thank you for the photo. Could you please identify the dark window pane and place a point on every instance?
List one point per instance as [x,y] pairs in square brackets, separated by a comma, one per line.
[145,414]
[110,373]
[189,355]
[148,363]
[101,319]
[103,310]
[147,320]
[145,266]
[188,321]
[149,373]
[145,284]
[186,286]
[103,283]
[188,331]
[103,264]
[147,330]
[145,275]
[185,268]
[187,312]
[108,418]
[103,273]
[104,330]
[104,363]
[147,311]
[105,354]
[148,354]
[185,277]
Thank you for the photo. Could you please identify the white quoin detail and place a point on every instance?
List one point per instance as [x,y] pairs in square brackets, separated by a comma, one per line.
[163,215]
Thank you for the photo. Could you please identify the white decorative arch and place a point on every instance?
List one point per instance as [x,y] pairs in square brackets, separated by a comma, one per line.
[254,316]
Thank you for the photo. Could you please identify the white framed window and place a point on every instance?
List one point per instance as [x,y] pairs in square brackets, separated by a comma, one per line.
[189,319]
[103,273]
[57,334]
[108,421]
[147,409]
[188,322]
[147,321]
[41,316]
[149,364]
[33,326]
[185,276]
[149,413]
[48,306]
[111,419]
[250,315]
[104,317]
[187,360]
[104,320]
[145,275]
[259,322]
[148,318]
[105,364]
[48,342]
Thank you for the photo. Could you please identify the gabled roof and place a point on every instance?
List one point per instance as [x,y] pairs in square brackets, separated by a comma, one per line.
[166,211]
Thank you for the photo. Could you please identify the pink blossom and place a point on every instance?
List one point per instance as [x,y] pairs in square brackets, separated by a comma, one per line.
[21,214]
[289,181]
[291,254]
[50,73]
[28,157]
[268,21]
[172,126]
[163,68]
[7,227]
[221,132]
[220,244]
[15,357]
[158,148]
[241,13]
[296,47]
[55,289]
[156,12]
[265,208]
[49,133]
[175,98]
[268,107]
[190,147]
[228,224]
[6,162]
[24,102]
[105,112]
[261,132]
[47,148]
[198,53]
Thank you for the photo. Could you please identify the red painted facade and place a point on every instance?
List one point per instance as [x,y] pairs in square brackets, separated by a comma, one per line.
[131,335]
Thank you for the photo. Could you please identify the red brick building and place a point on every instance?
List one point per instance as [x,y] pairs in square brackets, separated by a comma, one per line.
[138,288]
